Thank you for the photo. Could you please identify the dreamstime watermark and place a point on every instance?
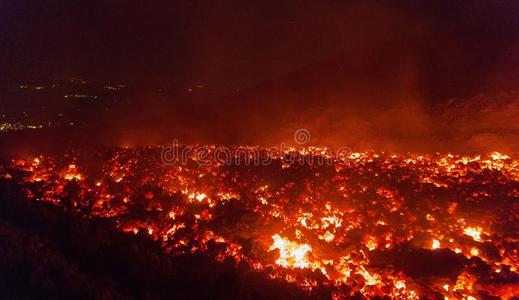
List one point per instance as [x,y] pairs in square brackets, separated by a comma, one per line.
[302,136]
[211,155]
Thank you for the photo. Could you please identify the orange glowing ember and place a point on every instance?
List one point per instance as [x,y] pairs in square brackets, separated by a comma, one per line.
[291,254]
[435,244]
[474,232]
[408,226]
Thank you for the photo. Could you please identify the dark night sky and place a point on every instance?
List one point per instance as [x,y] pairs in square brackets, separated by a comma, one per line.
[335,67]
[230,44]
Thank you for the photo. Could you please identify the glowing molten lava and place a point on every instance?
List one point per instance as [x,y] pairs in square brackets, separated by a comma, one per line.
[404,226]
[291,254]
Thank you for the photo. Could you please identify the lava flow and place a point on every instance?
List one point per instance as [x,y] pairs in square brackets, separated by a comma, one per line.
[407,226]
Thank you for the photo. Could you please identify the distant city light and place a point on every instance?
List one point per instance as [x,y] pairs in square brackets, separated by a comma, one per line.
[5,127]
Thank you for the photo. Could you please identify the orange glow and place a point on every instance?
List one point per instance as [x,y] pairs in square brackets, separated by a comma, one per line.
[327,227]
[474,251]
[435,244]
[474,232]
[291,254]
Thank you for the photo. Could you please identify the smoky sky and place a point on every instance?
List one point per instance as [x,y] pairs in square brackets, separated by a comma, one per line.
[367,74]
[229,44]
